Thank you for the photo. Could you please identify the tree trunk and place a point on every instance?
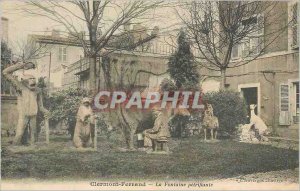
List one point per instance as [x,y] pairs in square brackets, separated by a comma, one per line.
[93,57]
[93,78]
[223,79]
[106,72]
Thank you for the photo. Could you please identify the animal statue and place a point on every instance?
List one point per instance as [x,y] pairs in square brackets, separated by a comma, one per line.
[210,122]
[129,120]
[27,103]
[259,124]
[85,122]
[247,133]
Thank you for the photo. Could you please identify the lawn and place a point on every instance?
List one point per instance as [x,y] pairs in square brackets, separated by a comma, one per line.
[190,159]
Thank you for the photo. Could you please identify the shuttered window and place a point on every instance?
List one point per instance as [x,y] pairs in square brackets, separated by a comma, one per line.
[235,51]
[284,118]
[62,54]
[253,44]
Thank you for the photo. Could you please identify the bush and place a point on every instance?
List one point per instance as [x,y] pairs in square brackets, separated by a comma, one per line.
[229,107]
[178,125]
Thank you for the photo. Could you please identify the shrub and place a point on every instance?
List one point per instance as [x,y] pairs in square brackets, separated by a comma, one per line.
[178,125]
[229,107]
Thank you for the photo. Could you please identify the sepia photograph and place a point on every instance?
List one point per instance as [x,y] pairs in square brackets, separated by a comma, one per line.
[149,95]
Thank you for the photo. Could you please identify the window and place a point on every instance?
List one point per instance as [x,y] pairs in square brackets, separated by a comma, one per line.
[294,26]
[44,68]
[62,54]
[296,105]
[253,43]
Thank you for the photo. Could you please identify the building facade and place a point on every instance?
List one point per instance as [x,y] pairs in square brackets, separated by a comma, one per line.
[55,55]
[271,81]
[128,69]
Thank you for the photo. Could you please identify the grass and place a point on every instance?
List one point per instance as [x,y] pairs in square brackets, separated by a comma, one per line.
[191,159]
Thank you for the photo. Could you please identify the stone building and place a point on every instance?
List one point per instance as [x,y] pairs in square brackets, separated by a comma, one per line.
[271,81]
[57,52]
[127,67]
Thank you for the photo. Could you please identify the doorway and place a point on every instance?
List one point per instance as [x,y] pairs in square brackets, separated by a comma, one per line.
[250,96]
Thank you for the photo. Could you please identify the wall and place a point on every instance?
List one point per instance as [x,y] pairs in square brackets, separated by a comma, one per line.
[276,30]
[284,67]
[57,67]
[9,112]
[126,67]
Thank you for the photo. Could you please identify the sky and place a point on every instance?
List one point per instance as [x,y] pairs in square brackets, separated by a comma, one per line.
[21,24]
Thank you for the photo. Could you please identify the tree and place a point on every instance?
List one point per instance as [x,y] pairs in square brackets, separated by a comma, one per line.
[218,28]
[182,67]
[5,61]
[5,55]
[100,25]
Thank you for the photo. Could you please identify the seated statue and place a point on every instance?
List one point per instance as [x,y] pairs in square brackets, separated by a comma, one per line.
[84,129]
[160,131]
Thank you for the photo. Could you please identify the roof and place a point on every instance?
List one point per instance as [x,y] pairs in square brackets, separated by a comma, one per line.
[49,39]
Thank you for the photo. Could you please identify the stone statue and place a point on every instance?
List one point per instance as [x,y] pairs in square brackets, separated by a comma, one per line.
[210,122]
[259,125]
[85,122]
[27,103]
[255,131]
[160,130]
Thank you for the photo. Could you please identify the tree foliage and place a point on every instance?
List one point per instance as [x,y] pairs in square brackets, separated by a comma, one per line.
[5,55]
[182,67]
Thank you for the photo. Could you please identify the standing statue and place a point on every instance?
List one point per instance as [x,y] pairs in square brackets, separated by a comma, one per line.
[210,122]
[26,102]
[85,122]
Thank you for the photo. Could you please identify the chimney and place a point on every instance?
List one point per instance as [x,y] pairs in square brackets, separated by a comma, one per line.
[155,31]
[139,32]
[138,28]
[55,33]
[127,27]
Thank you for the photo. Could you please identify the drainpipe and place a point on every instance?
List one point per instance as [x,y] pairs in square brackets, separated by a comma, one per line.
[273,91]
[49,73]
[274,105]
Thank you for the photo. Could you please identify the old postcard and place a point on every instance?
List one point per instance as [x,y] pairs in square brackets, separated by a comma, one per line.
[149,95]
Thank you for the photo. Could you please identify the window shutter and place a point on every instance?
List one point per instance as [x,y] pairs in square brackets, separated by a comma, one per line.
[235,51]
[246,47]
[260,24]
[295,38]
[284,118]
